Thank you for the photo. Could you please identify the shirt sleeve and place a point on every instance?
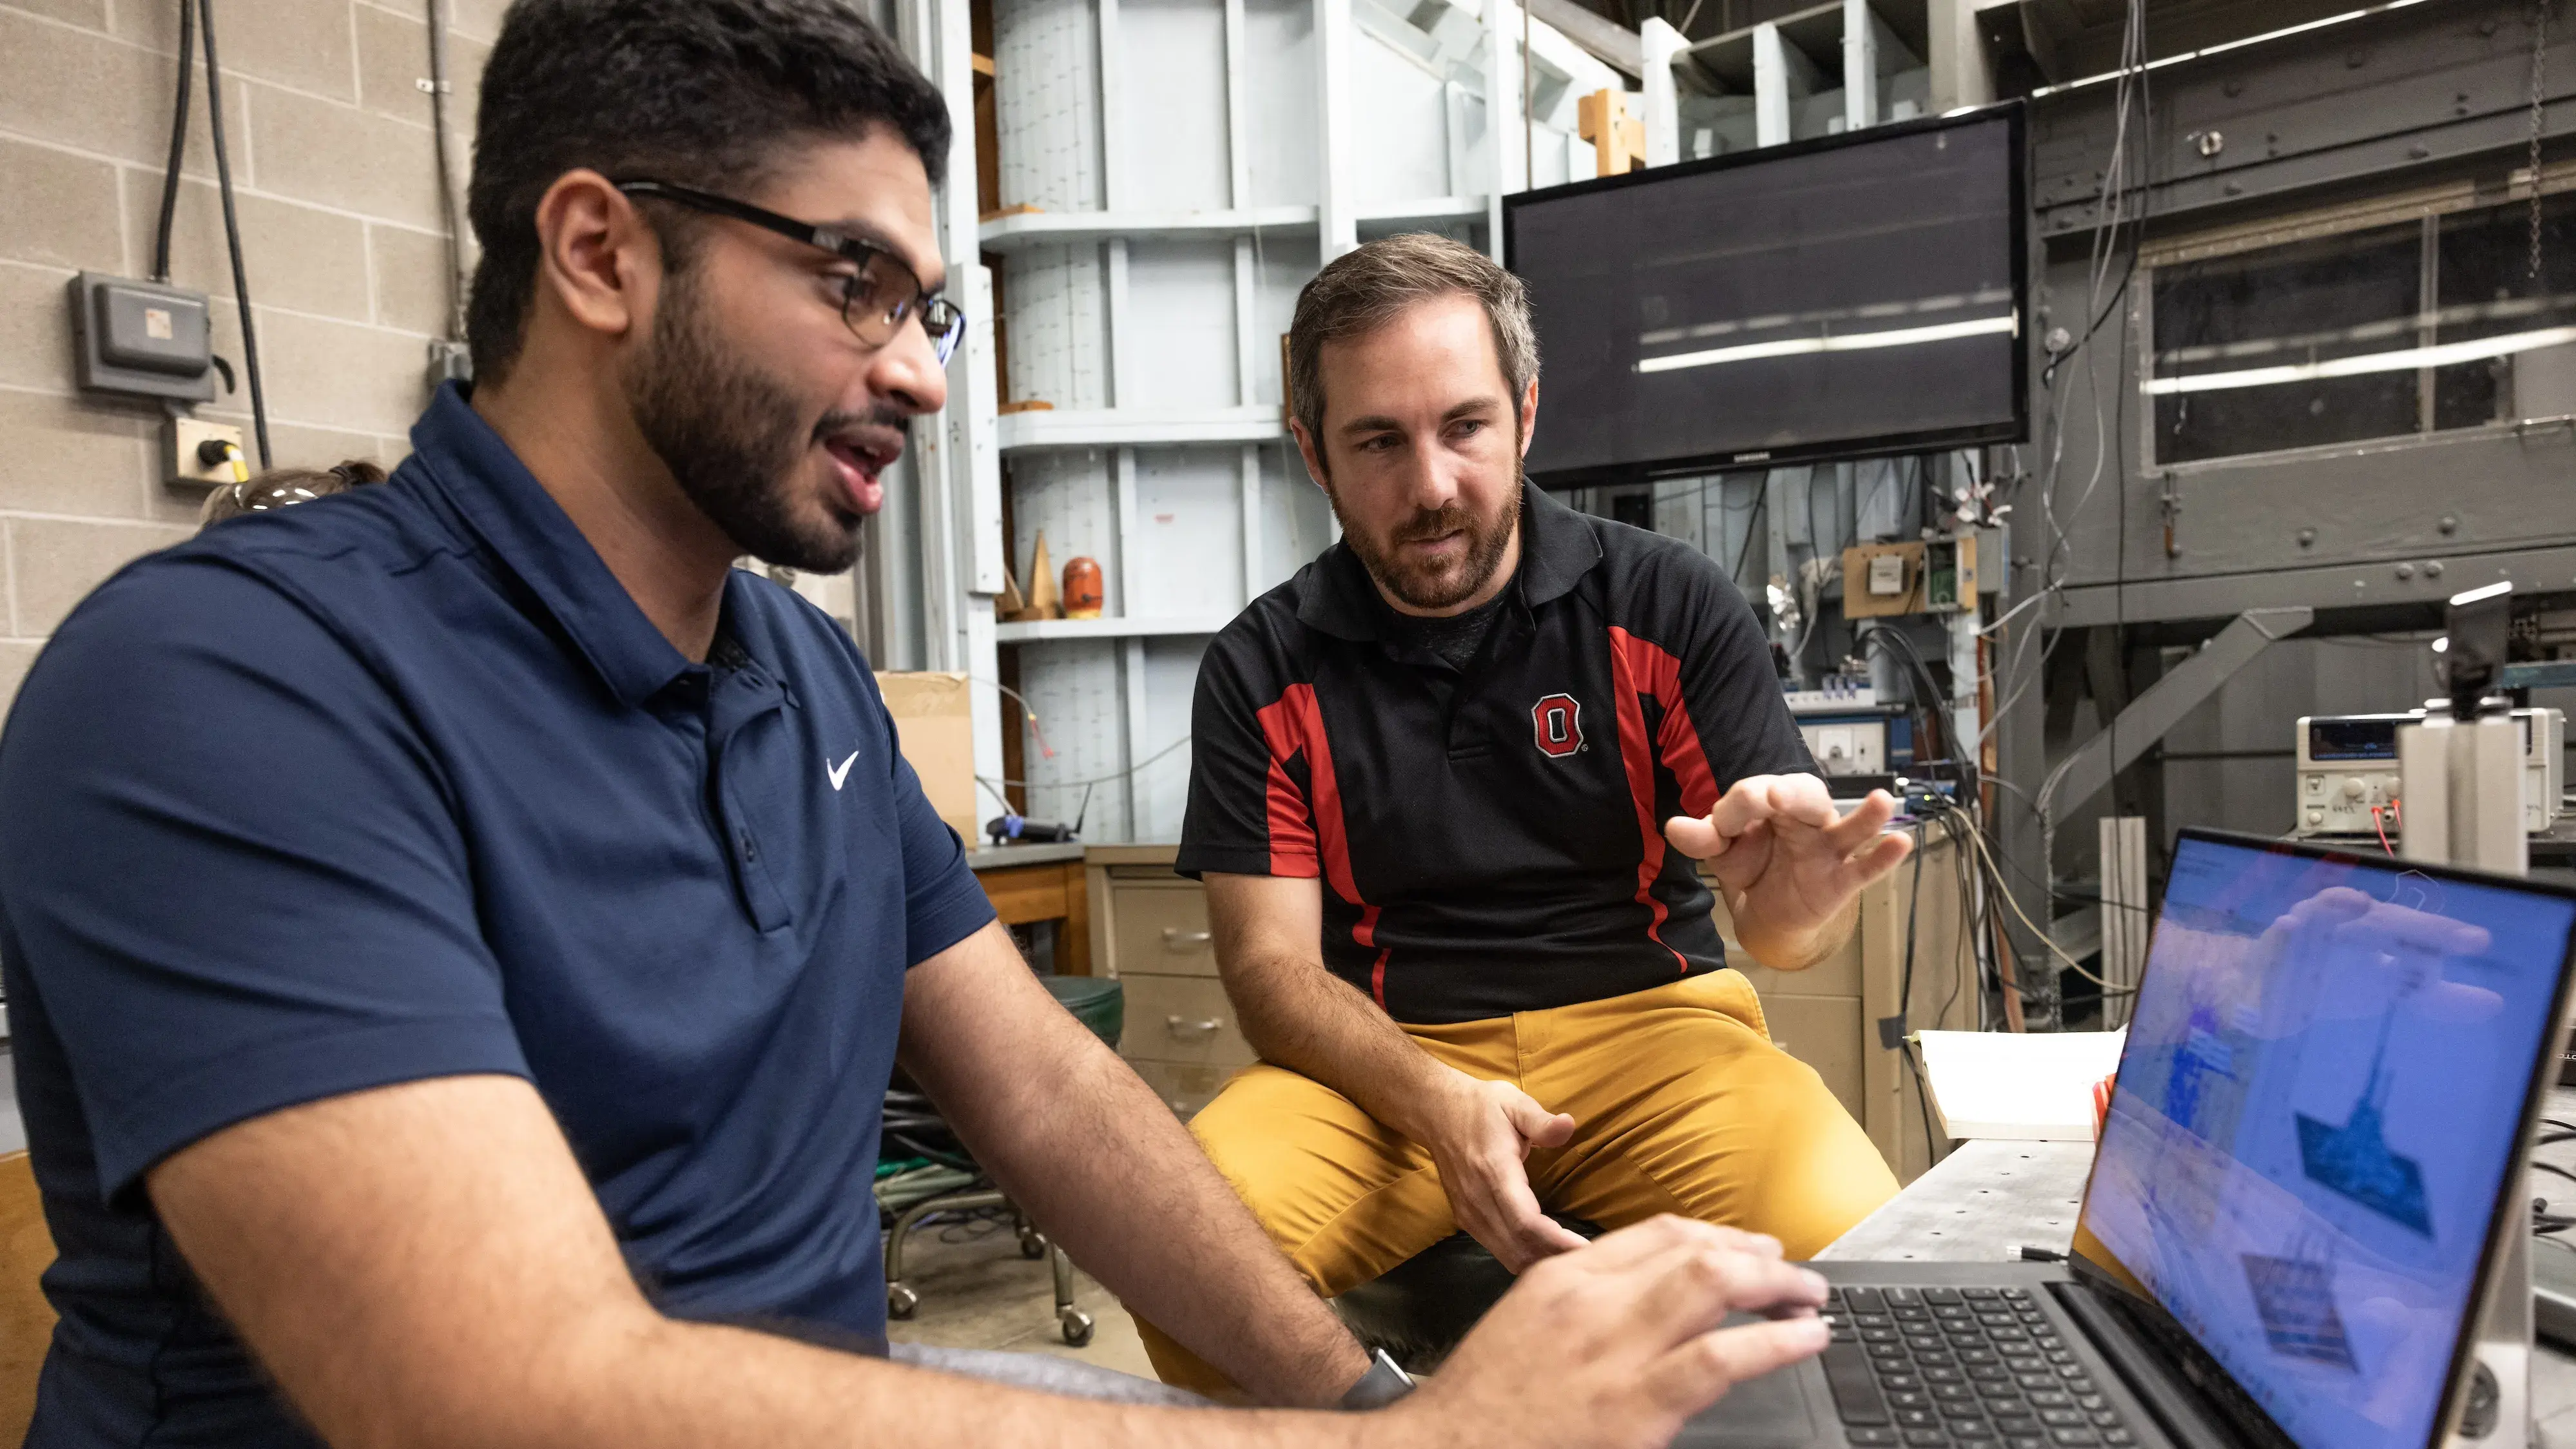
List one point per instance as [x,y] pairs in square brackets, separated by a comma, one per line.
[1247,812]
[1724,717]
[231,875]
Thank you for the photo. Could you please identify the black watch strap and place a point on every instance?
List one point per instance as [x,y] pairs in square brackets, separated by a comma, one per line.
[1382,1385]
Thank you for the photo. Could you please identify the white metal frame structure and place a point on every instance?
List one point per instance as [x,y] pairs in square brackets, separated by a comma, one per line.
[1171,172]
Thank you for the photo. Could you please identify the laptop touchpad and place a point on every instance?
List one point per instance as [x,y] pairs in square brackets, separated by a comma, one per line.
[1783,1408]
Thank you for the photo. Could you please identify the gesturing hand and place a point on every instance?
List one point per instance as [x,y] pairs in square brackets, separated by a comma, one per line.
[1789,862]
[1480,1139]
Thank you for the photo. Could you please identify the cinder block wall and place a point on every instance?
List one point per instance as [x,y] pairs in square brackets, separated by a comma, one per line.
[329,134]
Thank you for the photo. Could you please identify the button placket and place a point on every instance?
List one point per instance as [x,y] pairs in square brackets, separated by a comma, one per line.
[737,703]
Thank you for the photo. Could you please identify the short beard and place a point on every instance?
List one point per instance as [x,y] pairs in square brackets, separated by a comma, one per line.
[1422,588]
[732,436]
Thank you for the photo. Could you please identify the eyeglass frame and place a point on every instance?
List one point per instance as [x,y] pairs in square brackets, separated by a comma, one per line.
[922,305]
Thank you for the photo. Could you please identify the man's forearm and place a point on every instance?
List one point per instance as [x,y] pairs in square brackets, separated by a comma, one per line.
[1104,1166]
[633,1380]
[1300,1016]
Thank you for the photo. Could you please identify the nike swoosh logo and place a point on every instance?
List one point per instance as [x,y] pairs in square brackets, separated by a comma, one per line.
[841,771]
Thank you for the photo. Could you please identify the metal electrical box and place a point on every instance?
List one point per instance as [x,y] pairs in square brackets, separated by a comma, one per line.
[142,338]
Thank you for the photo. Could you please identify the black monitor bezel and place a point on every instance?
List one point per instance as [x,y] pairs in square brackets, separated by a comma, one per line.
[2504,1216]
[1872,446]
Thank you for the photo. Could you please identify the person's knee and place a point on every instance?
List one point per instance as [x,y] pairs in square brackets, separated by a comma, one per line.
[1820,1171]
[1764,1145]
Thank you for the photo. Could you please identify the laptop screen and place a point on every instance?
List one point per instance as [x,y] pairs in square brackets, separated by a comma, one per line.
[2323,1086]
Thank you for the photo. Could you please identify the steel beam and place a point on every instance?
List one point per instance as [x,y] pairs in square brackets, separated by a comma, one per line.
[2153,714]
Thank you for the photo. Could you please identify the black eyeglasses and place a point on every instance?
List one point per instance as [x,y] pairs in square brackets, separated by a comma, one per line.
[876,300]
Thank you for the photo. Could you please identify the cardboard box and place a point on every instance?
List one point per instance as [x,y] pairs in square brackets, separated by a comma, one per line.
[933,715]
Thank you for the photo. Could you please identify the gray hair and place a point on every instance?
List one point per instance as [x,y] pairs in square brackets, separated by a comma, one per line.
[1366,288]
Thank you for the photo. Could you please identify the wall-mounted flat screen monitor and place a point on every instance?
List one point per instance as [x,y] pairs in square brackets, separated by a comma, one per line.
[1845,297]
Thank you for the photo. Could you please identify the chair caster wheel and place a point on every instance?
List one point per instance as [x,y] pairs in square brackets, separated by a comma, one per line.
[1033,1244]
[901,1301]
[1076,1325]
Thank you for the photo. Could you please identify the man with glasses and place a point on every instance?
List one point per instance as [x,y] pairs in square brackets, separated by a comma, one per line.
[458,932]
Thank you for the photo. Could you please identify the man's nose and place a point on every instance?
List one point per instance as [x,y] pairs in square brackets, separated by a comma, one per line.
[1431,481]
[907,371]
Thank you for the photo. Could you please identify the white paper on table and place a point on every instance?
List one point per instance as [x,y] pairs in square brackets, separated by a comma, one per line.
[2030,1088]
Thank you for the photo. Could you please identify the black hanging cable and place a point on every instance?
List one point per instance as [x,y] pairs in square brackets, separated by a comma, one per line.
[178,141]
[232,230]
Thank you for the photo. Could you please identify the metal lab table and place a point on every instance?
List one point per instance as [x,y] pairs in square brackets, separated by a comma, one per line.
[1987,1198]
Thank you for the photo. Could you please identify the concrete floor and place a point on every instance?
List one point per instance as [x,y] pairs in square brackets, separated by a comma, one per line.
[978,1292]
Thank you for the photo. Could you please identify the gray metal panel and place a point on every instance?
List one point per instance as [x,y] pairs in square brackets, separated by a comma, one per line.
[2403,88]
[2323,527]
[2326,586]
[2089,770]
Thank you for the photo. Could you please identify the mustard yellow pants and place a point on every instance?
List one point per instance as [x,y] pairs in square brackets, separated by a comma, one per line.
[1681,1104]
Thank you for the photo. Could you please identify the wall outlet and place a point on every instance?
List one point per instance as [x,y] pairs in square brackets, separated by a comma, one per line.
[183,459]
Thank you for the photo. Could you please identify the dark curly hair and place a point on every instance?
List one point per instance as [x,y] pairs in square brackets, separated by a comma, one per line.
[704,93]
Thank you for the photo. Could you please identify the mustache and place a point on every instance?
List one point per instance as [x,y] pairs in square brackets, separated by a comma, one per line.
[1431,523]
[883,415]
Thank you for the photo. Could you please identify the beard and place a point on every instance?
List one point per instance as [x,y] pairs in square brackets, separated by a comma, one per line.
[735,440]
[1440,585]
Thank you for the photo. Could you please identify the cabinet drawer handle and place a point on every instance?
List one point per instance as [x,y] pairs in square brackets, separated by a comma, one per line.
[1176,939]
[1191,1030]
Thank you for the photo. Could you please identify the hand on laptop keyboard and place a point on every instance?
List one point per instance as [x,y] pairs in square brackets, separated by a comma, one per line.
[1615,1344]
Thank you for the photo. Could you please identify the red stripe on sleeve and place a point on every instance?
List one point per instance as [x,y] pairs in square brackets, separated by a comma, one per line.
[1296,723]
[1631,673]
[1677,740]
[1292,839]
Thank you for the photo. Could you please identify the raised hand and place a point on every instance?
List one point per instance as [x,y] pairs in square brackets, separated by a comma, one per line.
[1790,864]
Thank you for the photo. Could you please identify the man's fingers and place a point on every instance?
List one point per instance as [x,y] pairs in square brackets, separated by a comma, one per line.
[1876,859]
[1695,837]
[1695,1286]
[1864,821]
[1618,1251]
[1698,1371]
[1537,1126]
[1754,798]
[1516,1232]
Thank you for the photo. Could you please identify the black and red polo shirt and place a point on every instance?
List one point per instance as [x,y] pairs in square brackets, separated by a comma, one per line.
[1491,839]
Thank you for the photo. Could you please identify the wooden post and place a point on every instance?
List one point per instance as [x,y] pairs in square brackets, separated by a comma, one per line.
[1618,139]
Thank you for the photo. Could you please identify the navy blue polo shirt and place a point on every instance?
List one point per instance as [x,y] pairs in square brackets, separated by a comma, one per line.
[399,784]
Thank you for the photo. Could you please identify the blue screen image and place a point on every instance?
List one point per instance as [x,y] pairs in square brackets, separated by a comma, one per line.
[2324,1081]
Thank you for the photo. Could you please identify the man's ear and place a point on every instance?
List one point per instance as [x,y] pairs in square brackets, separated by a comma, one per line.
[1312,452]
[597,260]
[1529,415]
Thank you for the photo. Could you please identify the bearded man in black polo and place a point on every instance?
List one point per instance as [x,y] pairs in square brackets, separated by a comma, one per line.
[1450,785]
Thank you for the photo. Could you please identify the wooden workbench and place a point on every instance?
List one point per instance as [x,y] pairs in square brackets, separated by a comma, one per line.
[1031,883]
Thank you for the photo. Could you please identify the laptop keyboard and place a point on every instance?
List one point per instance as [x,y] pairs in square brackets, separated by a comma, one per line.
[1980,1368]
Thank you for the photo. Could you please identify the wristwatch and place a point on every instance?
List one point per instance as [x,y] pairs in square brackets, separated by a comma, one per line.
[1382,1385]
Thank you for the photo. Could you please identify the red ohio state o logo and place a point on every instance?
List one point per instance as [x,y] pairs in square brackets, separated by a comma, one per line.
[1558,721]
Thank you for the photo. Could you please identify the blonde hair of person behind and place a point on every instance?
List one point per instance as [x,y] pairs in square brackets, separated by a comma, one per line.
[285,487]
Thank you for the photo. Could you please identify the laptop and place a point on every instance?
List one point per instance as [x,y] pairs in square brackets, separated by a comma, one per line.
[2311,1157]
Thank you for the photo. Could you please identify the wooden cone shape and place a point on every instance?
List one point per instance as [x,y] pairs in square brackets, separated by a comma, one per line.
[1044,600]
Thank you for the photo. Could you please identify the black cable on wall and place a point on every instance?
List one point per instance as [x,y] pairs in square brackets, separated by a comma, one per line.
[232,228]
[178,142]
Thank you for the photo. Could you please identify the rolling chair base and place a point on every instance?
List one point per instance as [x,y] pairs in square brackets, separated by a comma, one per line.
[902,1300]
